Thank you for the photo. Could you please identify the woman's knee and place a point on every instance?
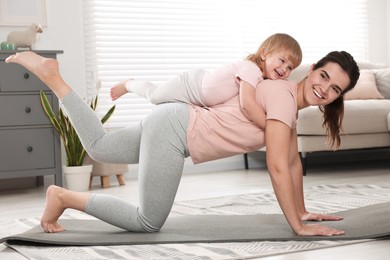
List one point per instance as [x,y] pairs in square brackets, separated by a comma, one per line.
[147,225]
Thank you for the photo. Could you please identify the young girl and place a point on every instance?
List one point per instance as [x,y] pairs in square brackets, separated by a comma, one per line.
[276,57]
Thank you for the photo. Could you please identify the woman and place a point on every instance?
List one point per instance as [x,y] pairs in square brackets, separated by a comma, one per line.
[174,131]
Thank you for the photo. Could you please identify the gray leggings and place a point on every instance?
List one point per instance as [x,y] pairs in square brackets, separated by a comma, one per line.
[158,144]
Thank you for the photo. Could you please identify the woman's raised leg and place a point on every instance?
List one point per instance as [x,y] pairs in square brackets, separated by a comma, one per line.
[159,144]
[117,147]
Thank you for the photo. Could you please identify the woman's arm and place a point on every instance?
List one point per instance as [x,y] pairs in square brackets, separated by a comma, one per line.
[279,142]
[249,106]
[278,137]
[296,173]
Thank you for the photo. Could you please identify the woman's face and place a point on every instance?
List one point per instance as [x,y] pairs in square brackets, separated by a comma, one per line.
[323,85]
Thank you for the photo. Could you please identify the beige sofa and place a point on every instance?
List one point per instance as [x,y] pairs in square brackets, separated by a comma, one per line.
[366,121]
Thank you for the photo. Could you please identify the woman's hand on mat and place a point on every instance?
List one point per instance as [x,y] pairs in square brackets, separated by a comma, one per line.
[308,216]
[319,230]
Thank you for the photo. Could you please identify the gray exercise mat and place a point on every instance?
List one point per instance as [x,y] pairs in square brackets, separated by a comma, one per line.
[362,223]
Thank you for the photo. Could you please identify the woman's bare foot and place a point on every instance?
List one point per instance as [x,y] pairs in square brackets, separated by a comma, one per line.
[44,68]
[57,200]
[53,210]
[118,90]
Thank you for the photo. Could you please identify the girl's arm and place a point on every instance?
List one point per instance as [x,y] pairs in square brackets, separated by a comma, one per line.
[249,106]
[278,140]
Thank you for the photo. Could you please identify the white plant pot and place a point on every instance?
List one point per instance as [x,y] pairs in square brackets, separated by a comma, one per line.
[77,177]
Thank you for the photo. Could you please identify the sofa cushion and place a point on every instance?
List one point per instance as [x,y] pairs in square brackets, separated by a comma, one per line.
[365,65]
[388,121]
[360,117]
[315,143]
[300,72]
[365,87]
[382,77]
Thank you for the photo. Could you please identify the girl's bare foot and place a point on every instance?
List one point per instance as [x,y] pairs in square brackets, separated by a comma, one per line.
[44,68]
[53,210]
[118,90]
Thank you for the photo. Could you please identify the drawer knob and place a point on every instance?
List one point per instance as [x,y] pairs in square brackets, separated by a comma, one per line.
[29,149]
[26,75]
[28,110]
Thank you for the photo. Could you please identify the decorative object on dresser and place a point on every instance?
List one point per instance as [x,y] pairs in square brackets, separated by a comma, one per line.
[29,145]
[26,38]
[77,175]
[7,46]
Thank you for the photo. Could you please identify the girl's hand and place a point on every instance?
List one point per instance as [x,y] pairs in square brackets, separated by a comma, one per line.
[307,216]
[318,230]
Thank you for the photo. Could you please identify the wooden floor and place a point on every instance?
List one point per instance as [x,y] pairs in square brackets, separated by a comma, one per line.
[29,202]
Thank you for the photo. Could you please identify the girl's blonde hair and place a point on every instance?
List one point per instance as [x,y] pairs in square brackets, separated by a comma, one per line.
[278,42]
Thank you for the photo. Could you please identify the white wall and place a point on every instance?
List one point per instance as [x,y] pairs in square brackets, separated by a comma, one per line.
[388,30]
[379,31]
[64,31]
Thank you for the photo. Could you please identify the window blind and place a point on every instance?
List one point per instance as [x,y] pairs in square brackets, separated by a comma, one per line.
[155,40]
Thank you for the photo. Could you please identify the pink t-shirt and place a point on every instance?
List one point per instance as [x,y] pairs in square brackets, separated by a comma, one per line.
[223,130]
[223,83]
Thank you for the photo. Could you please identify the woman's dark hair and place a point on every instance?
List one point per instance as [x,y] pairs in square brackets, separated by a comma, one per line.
[334,112]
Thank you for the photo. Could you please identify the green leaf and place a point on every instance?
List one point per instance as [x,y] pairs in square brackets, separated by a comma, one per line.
[108,114]
[49,111]
[94,102]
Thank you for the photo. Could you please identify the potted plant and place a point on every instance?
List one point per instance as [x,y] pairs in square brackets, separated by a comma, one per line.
[75,152]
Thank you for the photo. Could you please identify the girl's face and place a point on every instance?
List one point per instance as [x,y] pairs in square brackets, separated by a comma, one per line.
[323,85]
[277,65]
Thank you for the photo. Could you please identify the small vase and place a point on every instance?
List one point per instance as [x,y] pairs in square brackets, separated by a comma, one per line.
[77,177]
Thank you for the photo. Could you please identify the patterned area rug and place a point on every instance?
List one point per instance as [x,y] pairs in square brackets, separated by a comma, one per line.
[324,198]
